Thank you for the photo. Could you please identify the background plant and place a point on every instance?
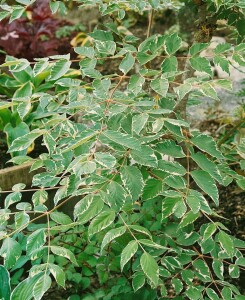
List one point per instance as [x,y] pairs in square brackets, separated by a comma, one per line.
[141,183]
[36,34]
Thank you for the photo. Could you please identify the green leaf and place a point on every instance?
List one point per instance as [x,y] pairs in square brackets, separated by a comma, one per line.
[60,194]
[150,268]
[177,285]
[240,261]
[116,196]
[221,48]
[40,66]
[105,159]
[101,35]
[227,293]
[239,297]
[25,91]
[87,208]
[201,64]
[16,13]
[133,181]
[151,244]
[168,206]
[138,281]
[222,62]
[180,209]
[85,51]
[127,63]
[58,274]
[208,90]
[193,293]
[144,58]
[172,43]
[122,139]
[106,47]
[197,48]
[61,251]
[171,262]
[207,144]
[59,69]
[5,283]
[170,64]
[39,197]
[26,140]
[171,167]
[21,220]
[145,156]
[218,268]
[178,123]
[209,231]
[160,86]
[207,165]
[224,83]
[85,137]
[234,271]
[139,121]
[170,148]
[193,202]
[157,125]
[153,187]
[45,179]
[14,133]
[164,291]
[202,270]
[140,229]
[81,166]
[240,26]
[23,109]
[200,199]
[24,288]
[60,218]
[54,6]
[103,220]
[183,90]
[189,218]
[111,235]
[4,14]
[12,198]
[187,276]
[128,252]
[135,84]
[207,184]
[226,243]
[41,286]
[10,251]
[211,293]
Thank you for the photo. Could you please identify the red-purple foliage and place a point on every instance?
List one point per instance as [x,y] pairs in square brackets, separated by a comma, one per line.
[34,37]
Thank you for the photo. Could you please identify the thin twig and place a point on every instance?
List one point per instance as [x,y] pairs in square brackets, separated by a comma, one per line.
[150,22]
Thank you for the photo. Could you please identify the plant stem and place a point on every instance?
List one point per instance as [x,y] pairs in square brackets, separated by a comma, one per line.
[150,22]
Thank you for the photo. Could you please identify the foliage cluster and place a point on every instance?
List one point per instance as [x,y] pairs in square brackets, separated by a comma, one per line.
[140,185]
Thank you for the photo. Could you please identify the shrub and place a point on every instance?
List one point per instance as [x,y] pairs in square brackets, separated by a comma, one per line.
[140,183]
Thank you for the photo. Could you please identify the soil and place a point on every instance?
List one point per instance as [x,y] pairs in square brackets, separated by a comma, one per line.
[4,156]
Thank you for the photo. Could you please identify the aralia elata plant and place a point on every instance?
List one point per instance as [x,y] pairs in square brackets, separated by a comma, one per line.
[145,182]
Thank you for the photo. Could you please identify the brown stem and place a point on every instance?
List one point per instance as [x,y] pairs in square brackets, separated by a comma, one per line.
[150,22]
